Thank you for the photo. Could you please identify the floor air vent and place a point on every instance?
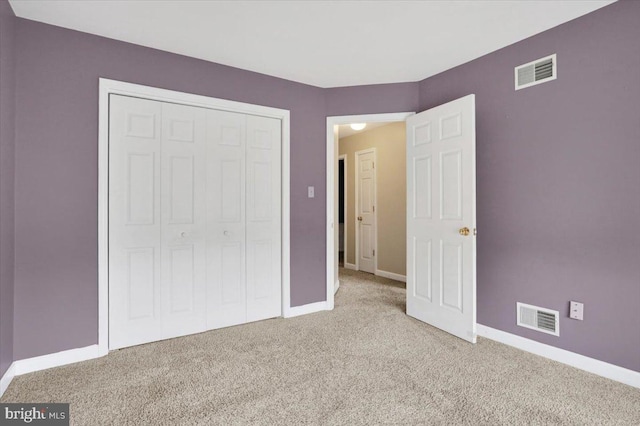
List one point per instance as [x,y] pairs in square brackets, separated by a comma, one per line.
[540,319]
[536,72]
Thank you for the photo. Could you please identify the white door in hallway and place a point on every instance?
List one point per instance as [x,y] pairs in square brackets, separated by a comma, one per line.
[366,210]
[441,217]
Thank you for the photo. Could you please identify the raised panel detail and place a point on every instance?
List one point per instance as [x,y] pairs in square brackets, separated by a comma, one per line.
[182,188]
[366,238]
[422,187]
[365,166]
[261,184]
[262,259]
[422,134]
[422,268]
[140,285]
[140,189]
[450,126]
[451,185]
[451,275]
[231,274]
[182,279]
[366,196]
[230,136]
[231,181]
[181,130]
[261,139]
[141,125]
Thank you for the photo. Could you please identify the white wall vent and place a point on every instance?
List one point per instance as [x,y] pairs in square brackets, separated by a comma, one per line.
[536,72]
[540,319]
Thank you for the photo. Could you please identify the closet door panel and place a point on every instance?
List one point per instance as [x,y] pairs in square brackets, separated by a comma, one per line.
[226,250]
[183,220]
[195,220]
[263,223]
[134,221]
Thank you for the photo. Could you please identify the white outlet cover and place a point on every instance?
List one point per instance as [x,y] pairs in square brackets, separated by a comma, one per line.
[576,310]
[311,192]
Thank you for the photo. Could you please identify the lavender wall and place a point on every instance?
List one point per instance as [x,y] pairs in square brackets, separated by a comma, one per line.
[558,169]
[373,99]
[56,171]
[7,113]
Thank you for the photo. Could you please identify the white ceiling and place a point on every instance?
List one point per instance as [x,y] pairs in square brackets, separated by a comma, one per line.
[323,43]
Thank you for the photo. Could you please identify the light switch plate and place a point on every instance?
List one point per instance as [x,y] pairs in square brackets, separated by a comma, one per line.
[311,192]
[576,310]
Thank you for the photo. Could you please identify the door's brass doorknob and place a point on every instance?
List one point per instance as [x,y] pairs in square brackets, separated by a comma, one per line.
[360,218]
[464,231]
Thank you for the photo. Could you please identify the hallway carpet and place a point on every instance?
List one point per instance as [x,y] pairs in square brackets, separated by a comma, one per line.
[365,363]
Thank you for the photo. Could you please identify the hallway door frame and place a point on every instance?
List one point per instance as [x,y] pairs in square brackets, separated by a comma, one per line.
[332,281]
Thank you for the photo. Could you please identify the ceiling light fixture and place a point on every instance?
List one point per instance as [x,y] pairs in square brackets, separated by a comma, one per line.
[358,126]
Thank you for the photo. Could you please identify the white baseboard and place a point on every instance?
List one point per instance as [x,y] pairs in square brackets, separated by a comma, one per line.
[601,368]
[57,359]
[336,286]
[306,309]
[6,379]
[391,275]
[29,365]
[350,266]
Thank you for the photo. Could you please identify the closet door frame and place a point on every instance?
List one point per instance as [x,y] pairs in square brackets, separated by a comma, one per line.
[109,87]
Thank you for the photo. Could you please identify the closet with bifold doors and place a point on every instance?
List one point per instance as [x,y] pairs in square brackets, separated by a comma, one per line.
[195,228]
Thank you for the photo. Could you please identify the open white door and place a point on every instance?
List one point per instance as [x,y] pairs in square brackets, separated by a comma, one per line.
[441,217]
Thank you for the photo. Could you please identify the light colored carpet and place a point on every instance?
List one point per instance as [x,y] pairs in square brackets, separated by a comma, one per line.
[365,363]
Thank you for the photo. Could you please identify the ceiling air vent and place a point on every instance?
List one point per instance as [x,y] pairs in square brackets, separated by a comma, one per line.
[540,319]
[536,72]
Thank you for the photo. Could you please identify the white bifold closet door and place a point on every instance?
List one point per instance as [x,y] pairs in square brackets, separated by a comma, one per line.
[194,220]
[244,201]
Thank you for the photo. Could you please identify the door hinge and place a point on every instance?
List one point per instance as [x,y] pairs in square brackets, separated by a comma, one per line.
[374,208]
[374,252]
[373,164]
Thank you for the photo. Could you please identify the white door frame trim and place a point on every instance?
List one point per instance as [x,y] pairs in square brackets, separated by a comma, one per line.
[332,159]
[108,87]
[356,184]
